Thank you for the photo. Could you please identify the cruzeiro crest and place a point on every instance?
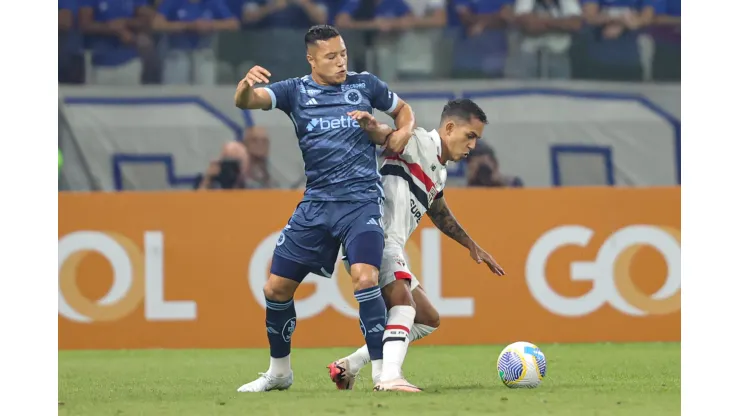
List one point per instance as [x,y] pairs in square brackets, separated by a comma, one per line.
[352,96]
[288,330]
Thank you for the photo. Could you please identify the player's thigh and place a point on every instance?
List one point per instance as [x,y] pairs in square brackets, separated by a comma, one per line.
[305,245]
[426,313]
[359,227]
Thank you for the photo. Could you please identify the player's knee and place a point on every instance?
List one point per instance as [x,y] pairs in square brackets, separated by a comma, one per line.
[398,293]
[279,289]
[364,276]
[427,317]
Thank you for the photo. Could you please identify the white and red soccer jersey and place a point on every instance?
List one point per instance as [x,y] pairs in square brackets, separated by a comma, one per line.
[411,181]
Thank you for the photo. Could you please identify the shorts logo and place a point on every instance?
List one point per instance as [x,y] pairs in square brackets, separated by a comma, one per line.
[352,96]
[400,261]
[281,239]
[288,330]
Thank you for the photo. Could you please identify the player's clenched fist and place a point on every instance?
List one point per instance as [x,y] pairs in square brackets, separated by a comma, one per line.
[257,75]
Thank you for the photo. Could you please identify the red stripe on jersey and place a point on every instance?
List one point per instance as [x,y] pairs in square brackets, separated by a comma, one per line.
[416,170]
[401,327]
[402,275]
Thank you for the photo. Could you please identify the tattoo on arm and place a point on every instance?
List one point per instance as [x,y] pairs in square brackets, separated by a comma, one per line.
[443,219]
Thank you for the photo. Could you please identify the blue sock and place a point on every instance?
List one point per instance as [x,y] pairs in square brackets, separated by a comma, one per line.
[280,321]
[372,319]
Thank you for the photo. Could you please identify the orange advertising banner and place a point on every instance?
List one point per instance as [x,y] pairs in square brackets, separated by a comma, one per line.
[186,269]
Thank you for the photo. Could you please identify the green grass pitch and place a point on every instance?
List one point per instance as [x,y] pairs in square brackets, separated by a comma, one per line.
[582,379]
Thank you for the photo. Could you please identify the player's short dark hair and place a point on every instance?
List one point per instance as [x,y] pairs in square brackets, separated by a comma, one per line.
[320,32]
[464,109]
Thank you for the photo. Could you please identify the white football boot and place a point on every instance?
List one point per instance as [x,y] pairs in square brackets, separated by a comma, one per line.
[397,385]
[267,382]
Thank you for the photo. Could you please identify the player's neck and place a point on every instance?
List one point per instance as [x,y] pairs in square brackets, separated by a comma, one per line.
[444,156]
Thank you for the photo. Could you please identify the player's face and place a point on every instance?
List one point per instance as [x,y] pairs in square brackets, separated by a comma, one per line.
[328,59]
[463,135]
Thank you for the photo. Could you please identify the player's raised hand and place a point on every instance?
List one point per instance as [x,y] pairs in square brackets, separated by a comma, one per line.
[257,75]
[481,256]
[366,120]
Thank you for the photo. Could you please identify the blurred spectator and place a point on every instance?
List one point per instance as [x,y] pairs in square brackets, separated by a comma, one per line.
[483,169]
[418,49]
[667,35]
[229,171]
[257,143]
[547,26]
[114,29]
[190,24]
[479,15]
[482,51]
[381,15]
[380,20]
[291,14]
[613,48]
[71,60]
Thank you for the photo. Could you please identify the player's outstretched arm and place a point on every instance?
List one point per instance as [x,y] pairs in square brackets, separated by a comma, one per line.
[247,97]
[443,219]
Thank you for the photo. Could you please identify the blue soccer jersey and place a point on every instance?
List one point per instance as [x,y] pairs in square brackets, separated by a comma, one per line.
[339,156]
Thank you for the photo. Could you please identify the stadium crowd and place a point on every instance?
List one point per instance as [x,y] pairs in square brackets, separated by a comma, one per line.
[205,42]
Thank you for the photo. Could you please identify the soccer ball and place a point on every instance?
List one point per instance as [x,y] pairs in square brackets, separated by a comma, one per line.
[521,365]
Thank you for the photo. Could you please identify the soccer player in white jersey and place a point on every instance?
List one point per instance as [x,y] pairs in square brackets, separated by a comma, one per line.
[413,182]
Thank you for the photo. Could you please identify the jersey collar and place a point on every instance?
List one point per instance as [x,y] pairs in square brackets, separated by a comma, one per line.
[438,143]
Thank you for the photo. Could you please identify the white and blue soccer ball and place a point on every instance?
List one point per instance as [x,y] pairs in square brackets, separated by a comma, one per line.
[521,365]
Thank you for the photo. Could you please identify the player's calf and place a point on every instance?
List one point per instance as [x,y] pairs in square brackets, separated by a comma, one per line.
[427,318]
[396,336]
[364,253]
[280,320]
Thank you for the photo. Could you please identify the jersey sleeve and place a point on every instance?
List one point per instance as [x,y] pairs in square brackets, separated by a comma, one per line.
[381,97]
[439,195]
[281,94]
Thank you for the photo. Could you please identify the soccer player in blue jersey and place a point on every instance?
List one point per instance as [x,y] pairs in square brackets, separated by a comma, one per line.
[342,205]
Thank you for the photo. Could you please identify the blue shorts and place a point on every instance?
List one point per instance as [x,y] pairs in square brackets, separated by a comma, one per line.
[310,242]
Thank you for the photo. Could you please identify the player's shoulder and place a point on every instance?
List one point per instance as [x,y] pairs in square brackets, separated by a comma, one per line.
[360,77]
[424,137]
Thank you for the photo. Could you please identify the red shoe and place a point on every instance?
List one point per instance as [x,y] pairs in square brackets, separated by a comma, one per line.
[340,374]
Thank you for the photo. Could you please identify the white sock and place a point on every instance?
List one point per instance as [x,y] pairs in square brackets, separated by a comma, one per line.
[358,359]
[377,370]
[396,340]
[419,331]
[279,367]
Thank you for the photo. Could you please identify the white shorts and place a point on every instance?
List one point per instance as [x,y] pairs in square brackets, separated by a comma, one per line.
[394,267]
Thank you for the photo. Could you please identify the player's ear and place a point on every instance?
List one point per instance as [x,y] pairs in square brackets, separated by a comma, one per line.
[449,127]
[309,58]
